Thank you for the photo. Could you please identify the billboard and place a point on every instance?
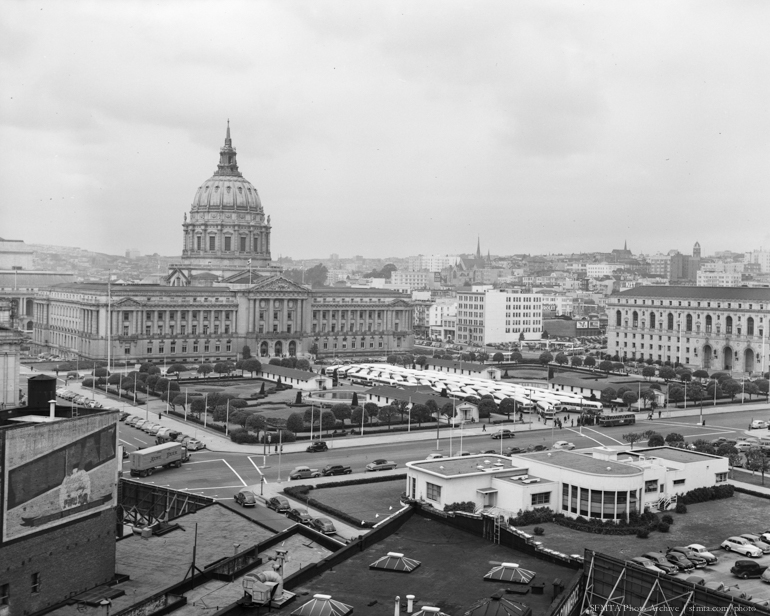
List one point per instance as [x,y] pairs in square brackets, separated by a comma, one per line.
[57,472]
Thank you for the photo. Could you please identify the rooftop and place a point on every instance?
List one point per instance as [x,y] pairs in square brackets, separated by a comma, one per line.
[300,375]
[707,293]
[675,454]
[459,365]
[580,462]
[467,465]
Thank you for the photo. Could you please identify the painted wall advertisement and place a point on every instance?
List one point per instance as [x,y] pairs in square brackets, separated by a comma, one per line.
[57,472]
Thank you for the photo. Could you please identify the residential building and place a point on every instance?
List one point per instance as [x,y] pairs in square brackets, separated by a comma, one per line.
[408,280]
[714,328]
[718,279]
[597,270]
[761,257]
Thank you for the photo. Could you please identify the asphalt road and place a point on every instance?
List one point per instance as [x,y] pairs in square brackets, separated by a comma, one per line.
[219,475]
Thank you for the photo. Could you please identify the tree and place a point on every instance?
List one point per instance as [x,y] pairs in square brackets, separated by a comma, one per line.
[630,398]
[703,446]
[316,275]
[498,357]
[421,360]
[153,370]
[179,400]
[648,395]
[726,450]
[713,390]
[419,413]
[606,366]
[517,357]
[386,414]
[176,369]
[750,389]
[151,381]
[313,350]
[648,372]
[667,373]
[252,365]
[656,440]
[756,460]
[674,437]
[618,367]
[275,361]
[675,393]
[219,367]
[328,420]
[205,369]
[115,379]
[341,412]
[545,358]
[356,413]
[486,408]
[685,376]
[482,357]
[163,384]
[576,361]
[407,359]
[695,391]
[763,385]
[302,364]
[432,408]
[197,405]
[371,410]
[254,422]
[507,406]
[731,387]
[562,359]
[589,361]
[392,359]
[354,401]
[246,352]
[144,367]
[289,362]
[700,374]
[632,437]
[608,395]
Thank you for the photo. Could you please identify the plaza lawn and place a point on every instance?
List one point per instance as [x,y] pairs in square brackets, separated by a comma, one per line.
[363,501]
[705,523]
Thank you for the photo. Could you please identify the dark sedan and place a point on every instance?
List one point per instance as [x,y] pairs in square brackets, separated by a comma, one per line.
[299,514]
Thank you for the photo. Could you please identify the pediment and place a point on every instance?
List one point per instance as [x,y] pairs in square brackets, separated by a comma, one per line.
[126,302]
[278,284]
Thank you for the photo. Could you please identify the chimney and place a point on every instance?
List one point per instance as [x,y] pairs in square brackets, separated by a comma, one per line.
[397,608]
[52,409]
[409,604]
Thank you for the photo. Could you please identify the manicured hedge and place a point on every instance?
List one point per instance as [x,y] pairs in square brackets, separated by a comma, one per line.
[702,495]
[192,418]
[646,521]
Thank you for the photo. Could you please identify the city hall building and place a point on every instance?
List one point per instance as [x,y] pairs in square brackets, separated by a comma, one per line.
[222,295]
[714,328]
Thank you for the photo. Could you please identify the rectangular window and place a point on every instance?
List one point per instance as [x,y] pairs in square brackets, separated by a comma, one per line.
[432,492]
[721,477]
[194,328]
[651,485]
[172,349]
[148,330]
[217,348]
[126,316]
[542,498]
[127,350]
[198,242]
[678,482]
[149,349]
[206,347]
[5,594]
[229,347]
[243,243]
[125,330]
[184,348]
[195,347]
[212,242]
[227,243]
[161,349]
[183,329]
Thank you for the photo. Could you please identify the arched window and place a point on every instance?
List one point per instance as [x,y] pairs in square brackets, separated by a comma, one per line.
[708,323]
[618,318]
[688,323]
[635,319]
[750,326]
[670,323]
[652,320]
[729,325]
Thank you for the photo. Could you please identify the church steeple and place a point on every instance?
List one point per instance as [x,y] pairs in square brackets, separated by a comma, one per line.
[478,248]
[227,157]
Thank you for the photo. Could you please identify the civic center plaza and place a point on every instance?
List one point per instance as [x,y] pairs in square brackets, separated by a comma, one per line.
[222,295]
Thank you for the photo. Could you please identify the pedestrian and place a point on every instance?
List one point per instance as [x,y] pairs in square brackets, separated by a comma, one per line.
[572,422]
[659,412]
[484,428]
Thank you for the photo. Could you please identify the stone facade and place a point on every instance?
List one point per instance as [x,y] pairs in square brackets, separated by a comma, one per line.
[713,328]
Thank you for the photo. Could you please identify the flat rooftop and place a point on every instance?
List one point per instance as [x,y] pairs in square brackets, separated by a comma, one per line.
[452,467]
[581,462]
[450,576]
[675,454]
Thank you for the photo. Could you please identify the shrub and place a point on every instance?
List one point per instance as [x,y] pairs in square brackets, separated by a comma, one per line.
[681,508]
[642,533]
[702,495]
[538,530]
[663,527]
[466,506]
[668,519]
[240,435]
[539,515]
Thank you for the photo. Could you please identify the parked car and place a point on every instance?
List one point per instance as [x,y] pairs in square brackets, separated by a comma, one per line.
[323,525]
[462,454]
[646,563]
[123,416]
[503,434]
[694,558]
[563,445]
[335,469]
[381,465]
[181,437]
[512,451]
[153,431]
[435,456]
[133,420]
[279,504]
[245,498]
[304,472]
[681,561]
[758,424]
[536,448]
[703,553]
[660,560]
[317,446]
[744,446]
[741,546]
[757,541]
[745,569]
[193,444]
[138,425]
[299,514]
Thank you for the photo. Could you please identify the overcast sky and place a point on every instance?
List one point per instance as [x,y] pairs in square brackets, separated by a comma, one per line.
[391,128]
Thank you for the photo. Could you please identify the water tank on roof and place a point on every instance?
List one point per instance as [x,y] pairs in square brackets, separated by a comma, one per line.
[40,390]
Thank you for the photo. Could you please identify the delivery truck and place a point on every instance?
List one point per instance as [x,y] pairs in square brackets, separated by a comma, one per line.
[143,462]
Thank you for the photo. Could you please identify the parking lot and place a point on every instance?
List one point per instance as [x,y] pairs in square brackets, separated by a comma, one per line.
[720,572]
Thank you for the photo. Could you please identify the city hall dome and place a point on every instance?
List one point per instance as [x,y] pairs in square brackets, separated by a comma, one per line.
[227,189]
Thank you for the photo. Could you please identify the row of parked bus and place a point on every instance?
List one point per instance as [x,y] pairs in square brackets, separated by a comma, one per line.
[528,399]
